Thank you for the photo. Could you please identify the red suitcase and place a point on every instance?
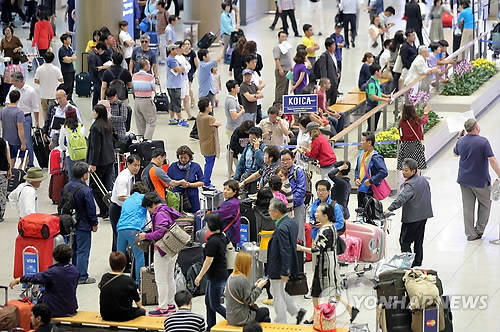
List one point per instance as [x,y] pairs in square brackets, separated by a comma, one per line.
[353,249]
[373,240]
[56,184]
[39,225]
[308,240]
[55,161]
[37,251]
[24,307]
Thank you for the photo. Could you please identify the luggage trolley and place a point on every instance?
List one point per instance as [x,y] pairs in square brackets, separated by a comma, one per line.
[31,266]
[371,214]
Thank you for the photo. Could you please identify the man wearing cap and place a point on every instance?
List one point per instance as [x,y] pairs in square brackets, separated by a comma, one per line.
[175,77]
[320,150]
[474,178]
[28,103]
[249,93]
[25,194]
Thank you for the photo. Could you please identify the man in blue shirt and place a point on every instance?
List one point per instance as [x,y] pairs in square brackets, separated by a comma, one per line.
[323,191]
[170,34]
[86,219]
[339,45]
[175,73]
[474,178]
[205,83]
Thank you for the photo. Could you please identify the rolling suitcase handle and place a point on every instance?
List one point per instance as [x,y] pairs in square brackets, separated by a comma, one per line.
[105,193]
[6,295]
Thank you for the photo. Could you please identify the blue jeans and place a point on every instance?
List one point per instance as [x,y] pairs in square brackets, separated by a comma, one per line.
[125,239]
[28,124]
[69,166]
[207,172]
[81,252]
[336,125]
[213,293]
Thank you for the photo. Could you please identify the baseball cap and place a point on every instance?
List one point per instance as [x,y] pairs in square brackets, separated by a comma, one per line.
[311,126]
[247,71]
[339,25]
[172,47]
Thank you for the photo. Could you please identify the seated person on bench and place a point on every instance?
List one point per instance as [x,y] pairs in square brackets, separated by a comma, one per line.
[118,291]
[60,281]
[40,318]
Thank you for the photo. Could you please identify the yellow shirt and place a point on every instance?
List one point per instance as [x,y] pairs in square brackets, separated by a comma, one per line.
[90,46]
[309,42]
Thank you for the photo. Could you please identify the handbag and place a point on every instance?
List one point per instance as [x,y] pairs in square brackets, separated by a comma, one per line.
[297,285]
[23,58]
[186,203]
[172,199]
[381,191]
[173,241]
[375,44]
[144,26]
[341,245]
[144,245]
[324,317]
[386,73]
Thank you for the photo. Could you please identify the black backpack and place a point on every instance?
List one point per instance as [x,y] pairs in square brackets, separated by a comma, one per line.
[191,275]
[119,85]
[67,203]
[316,68]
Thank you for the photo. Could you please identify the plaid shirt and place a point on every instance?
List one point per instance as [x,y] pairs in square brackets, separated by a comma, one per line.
[118,118]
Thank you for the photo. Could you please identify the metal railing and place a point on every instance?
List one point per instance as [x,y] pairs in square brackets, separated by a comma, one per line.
[402,93]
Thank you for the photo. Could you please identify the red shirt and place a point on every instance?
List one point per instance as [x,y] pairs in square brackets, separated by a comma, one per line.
[43,35]
[407,133]
[322,151]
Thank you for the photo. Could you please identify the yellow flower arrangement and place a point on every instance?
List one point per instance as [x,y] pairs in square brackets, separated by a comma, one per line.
[483,63]
[387,150]
[388,135]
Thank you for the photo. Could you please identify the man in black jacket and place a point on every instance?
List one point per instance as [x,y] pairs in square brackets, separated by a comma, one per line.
[414,19]
[282,261]
[328,68]
[408,50]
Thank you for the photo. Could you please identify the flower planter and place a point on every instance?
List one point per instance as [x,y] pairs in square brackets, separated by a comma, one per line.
[477,102]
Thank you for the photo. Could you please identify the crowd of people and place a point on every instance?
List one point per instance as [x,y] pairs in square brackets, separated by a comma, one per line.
[261,164]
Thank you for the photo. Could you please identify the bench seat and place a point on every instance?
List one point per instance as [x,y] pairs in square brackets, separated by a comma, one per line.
[94,318]
[223,326]
[352,99]
[340,108]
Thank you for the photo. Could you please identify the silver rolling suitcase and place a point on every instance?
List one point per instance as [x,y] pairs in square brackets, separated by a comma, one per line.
[257,270]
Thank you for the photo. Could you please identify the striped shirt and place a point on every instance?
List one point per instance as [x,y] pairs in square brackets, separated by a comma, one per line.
[184,321]
[144,84]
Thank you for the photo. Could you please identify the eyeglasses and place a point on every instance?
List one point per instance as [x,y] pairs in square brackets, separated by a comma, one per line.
[144,41]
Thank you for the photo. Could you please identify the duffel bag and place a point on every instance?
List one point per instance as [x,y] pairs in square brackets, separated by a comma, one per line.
[421,289]
[39,225]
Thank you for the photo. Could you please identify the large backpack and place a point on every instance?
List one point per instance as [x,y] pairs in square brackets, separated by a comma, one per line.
[77,144]
[192,273]
[67,203]
[119,85]
[317,69]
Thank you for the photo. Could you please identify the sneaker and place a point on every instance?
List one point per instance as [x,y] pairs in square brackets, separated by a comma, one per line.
[158,313]
[210,188]
[194,136]
[268,301]
[171,309]
[89,280]
[173,122]
[182,123]
[26,25]
[192,118]
[300,315]
[473,238]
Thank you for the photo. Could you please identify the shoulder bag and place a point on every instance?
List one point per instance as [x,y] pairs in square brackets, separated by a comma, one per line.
[381,191]
[186,203]
[416,136]
[109,281]
[230,250]
[173,241]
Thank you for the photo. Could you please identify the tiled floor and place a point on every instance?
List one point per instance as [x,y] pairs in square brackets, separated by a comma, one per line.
[466,268]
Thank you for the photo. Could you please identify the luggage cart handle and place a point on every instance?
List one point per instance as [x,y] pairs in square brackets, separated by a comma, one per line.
[6,297]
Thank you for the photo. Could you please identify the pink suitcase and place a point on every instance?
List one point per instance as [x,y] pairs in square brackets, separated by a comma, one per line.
[353,249]
[373,240]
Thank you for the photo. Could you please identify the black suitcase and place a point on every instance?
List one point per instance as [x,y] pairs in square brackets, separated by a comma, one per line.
[41,149]
[145,150]
[248,217]
[129,118]
[189,255]
[207,40]
[397,316]
[17,177]
[161,101]
[457,39]
[448,317]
